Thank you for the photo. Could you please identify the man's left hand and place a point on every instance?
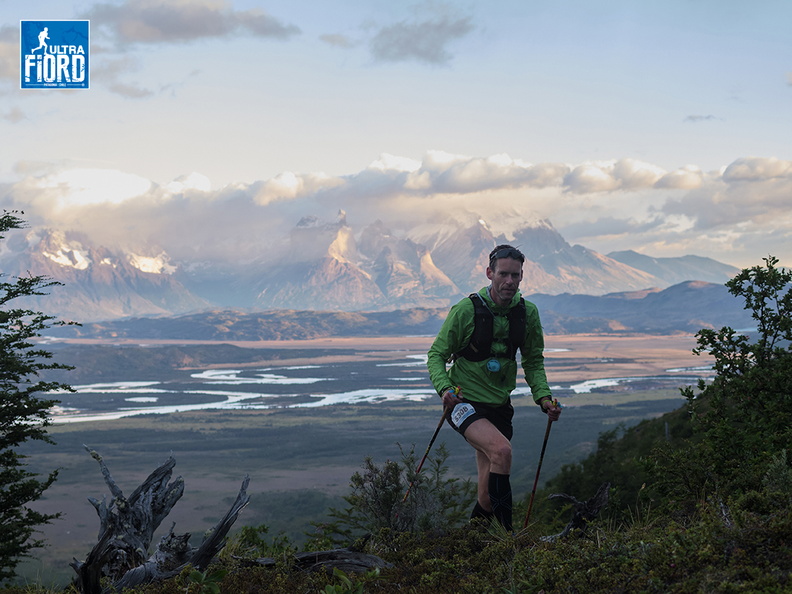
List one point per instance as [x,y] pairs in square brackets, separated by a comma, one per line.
[552,408]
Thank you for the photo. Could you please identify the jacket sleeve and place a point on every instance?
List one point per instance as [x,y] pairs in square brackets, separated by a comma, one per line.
[533,354]
[452,337]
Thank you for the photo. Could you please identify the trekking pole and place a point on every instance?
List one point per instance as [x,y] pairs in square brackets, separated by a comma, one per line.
[538,468]
[418,470]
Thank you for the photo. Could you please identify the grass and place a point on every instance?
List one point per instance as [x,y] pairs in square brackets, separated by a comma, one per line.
[299,460]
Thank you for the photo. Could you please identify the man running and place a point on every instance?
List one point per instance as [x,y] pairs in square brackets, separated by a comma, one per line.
[42,37]
[481,335]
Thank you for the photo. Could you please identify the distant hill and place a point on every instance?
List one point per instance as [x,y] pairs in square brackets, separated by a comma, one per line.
[677,270]
[686,307]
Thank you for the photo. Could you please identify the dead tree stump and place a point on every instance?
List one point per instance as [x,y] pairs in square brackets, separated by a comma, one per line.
[585,511]
[127,526]
[346,560]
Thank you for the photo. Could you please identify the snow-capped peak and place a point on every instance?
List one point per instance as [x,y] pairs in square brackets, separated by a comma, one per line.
[153,264]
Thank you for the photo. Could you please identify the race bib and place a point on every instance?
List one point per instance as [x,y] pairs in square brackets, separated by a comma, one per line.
[461,412]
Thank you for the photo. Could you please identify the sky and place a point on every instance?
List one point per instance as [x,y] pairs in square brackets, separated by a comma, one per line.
[659,126]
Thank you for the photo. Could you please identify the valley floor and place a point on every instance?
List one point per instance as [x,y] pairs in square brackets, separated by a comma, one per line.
[300,459]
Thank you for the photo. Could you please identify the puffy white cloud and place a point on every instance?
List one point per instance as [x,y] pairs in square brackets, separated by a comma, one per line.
[757,169]
[636,174]
[446,173]
[388,162]
[289,185]
[186,183]
[591,177]
[684,178]
[80,187]
[604,176]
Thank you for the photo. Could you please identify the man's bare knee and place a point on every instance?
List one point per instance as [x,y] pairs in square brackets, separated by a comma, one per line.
[501,457]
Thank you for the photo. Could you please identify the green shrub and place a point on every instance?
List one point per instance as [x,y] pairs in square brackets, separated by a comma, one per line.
[377,505]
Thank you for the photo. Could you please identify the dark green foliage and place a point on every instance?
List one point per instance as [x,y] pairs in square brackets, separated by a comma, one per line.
[747,555]
[624,458]
[376,501]
[743,420]
[205,582]
[23,414]
[733,429]
[250,543]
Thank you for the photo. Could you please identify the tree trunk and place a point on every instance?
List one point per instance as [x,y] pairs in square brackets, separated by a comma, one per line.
[585,511]
[344,559]
[127,527]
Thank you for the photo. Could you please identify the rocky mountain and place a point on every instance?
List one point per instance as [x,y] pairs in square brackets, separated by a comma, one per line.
[98,283]
[322,265]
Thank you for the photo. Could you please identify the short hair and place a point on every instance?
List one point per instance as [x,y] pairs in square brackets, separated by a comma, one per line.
[505,251]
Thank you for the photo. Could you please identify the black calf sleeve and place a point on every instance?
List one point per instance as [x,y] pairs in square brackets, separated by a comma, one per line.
[501,497]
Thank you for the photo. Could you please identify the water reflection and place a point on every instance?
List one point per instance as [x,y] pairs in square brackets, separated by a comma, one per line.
[304,386]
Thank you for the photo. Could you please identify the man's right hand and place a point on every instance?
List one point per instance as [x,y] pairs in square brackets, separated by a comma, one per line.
[451,398]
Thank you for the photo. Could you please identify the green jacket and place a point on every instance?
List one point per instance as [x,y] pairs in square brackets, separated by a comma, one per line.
[477,383]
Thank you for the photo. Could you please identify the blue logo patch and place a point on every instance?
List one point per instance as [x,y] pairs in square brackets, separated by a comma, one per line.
[54,54]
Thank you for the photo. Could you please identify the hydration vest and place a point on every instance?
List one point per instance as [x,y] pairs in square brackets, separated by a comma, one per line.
[480,345]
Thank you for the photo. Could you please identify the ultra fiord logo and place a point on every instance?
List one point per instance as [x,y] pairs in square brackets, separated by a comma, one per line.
[54,54]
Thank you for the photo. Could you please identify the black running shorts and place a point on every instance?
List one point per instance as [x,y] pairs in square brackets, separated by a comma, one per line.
[467,412]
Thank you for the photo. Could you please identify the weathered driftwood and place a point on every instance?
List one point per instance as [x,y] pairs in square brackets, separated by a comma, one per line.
[127,526]
[585,511]
[346,560]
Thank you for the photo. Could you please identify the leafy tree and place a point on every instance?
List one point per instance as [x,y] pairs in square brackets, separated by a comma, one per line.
[742,421]
[733,431]
[24,415]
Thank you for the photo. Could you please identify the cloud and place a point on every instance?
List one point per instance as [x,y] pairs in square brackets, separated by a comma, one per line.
[186,183]
[685,178]
[606,206]
[9,53]
[757,169]
[605,176]
[419,40]
[467,175]
[173,21]
[613,227]
[111,72]
[72,188]
[337,40]
[700,118]
[14,115]
[289,185]
[751,192]
[442,173]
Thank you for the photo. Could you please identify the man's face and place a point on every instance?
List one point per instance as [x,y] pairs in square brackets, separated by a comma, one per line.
[505,279]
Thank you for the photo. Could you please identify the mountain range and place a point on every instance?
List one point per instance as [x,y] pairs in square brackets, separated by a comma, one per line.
[328,266]
[683,308]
